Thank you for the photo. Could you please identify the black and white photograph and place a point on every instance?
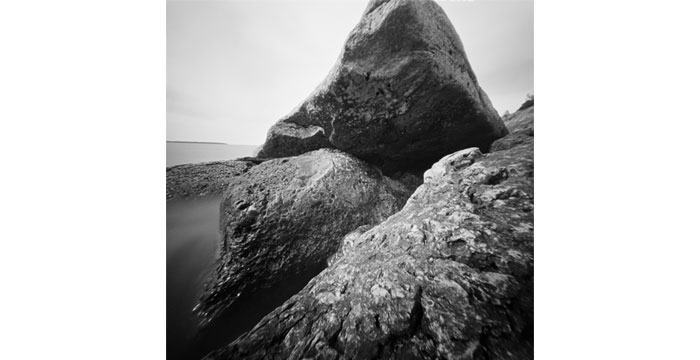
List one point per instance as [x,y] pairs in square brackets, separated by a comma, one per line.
[350,180]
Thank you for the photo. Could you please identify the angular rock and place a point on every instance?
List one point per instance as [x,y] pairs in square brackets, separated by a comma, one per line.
[284,218]
[530,102]
[521,125]
[450,276]
[401,95]
[204,179]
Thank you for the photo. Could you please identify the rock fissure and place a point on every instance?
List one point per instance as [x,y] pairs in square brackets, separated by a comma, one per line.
[469,269]
[276,222]
[368,267]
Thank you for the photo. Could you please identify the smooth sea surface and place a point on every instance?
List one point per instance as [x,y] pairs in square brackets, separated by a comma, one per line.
[191,247]
[189,152]
[192,237]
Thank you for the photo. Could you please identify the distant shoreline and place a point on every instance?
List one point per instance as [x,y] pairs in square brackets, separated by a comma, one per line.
[197,142]
[208,143]
[190,152]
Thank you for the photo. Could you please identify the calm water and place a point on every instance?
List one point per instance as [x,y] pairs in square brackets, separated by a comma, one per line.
[184,153]
[192,242]
[192,236]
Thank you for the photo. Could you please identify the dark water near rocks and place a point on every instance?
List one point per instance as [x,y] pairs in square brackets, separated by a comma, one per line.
[192,241]
[192,235]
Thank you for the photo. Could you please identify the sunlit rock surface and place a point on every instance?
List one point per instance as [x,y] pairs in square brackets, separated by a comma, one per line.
[284,218]
[450,276]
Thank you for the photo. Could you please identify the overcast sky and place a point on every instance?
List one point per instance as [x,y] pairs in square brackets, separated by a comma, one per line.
[234,67]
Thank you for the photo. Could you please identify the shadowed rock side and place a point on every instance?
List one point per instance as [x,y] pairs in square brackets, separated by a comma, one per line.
[401,95]
[450,276]
[203,179]
[284,218]
[410,180]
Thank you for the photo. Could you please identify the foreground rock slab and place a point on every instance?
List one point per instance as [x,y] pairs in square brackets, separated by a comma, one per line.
[401,95]
[450,276]
[203,179]
[284,218]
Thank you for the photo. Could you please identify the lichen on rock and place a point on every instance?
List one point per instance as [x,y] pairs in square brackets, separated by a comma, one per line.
[450,276]
[284,218]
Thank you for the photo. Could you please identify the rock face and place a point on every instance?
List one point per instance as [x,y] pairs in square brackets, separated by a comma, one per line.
[203,179]
[401,95]
[284,218]
[528,103]
[521,126]
[450,276]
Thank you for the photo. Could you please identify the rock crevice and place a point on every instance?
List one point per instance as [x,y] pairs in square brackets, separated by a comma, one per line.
[282,219]
[449,276]
[378,270]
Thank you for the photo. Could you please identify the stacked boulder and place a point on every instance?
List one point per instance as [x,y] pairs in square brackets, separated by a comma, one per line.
[401,95]
[446,272]
[284,218]
[450,276]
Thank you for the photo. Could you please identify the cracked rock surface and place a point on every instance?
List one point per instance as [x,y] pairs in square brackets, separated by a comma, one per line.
[450,276]
[284,218]
[401,95]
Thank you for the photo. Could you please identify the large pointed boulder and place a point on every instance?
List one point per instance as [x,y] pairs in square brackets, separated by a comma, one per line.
[401,95]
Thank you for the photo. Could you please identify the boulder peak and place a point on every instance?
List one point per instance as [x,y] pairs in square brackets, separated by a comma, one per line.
[401,95]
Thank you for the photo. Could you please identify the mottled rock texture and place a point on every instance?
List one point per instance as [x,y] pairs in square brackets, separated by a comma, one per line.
[521,125]
[401,95]
[450,276]
[528,103]
[203,179]
[285,217]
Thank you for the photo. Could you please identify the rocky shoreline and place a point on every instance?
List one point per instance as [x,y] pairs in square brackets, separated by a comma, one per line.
[287,216]
[449,274]
[399,265]
[204,179]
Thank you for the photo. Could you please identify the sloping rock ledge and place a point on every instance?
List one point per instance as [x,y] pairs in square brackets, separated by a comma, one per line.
[204,179]
[450,276]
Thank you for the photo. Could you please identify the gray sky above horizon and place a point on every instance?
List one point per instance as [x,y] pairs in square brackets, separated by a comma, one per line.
[235,67]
